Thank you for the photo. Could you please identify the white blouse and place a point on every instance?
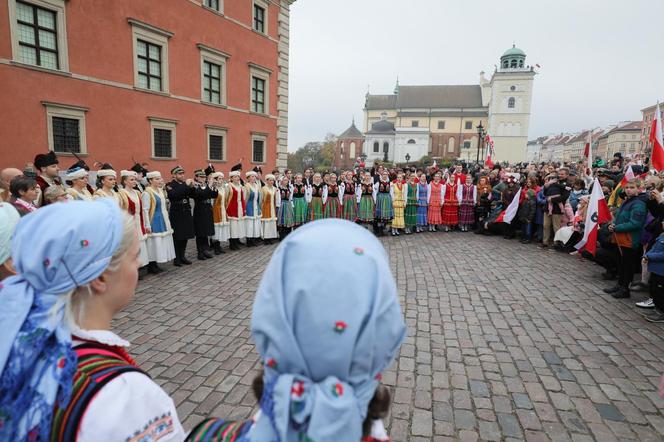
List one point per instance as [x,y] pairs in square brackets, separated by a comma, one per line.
[130,408]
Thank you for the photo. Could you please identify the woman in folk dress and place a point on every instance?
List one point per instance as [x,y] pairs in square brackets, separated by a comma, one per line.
[450,204]
[410,213]
[285,212]
[348,196]
[467,196]
[106,182]
[300,201]
[159,242]
[317,198]
[130,200]
[235,209]
[333,200]
[422,203]
[366,195]
[269,206]
[434,202]
[252,218]
[384,210]
[399,194]
[221,225]
[78,177]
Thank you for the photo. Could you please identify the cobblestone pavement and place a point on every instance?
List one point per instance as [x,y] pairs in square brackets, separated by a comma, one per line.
[505,342]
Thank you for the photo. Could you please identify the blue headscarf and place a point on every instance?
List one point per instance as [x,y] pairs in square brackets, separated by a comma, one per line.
[55,249]
[326,322]
[8,219]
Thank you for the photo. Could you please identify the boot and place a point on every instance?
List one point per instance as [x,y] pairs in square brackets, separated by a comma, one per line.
[201,256]
[394,232]
[233,244]
[152,268]
[207,254]
[216,245]
[185,261]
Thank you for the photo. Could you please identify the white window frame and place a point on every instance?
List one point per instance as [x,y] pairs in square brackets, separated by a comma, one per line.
[215,56]
[57,6]
[263,138]
[263,4]
[218,11]
[222,132]
[264,74]
[163,123]
[154,35]
[66,111]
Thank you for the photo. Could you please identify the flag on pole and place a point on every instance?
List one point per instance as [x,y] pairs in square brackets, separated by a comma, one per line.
[490,152]
[614,198]
[597,213]
[507,215]
[588,154]
[656,140]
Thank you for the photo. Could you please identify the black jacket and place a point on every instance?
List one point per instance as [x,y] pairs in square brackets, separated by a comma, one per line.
[203,220]
[180,210]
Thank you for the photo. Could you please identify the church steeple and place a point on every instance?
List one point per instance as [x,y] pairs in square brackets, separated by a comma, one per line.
[396,87]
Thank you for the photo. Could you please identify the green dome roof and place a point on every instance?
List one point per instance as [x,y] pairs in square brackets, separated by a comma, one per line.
[514,51]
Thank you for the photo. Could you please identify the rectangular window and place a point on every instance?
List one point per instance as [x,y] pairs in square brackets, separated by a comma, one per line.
[466,144]
[149,65]
[212,4]
[469,125]
[37,36]
[163,143]
[441,125]
[66,136]
[376,147]
[216,143]
[212,82]
[258,151]
[414,123]
[259,18]
[258,95]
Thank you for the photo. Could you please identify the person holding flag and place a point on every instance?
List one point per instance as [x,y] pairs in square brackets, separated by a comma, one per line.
[597,214]
[616,199]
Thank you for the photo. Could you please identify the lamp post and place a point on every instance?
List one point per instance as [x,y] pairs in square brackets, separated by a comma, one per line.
[407,157]
[480,133]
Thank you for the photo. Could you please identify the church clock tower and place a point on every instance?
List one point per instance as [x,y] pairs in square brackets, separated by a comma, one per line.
[511,92]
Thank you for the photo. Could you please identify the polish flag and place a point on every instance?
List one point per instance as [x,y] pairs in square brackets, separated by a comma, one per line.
[507,215]
[597,213]
[629,175]
[488,161]
[657,143]
[588,153]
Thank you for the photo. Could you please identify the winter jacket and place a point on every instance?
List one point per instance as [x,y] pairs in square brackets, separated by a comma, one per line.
[656,257]
[575,196]
[526,213]
[541,207]
[629,221]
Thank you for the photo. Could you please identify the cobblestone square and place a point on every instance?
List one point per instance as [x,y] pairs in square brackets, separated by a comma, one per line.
[505,342]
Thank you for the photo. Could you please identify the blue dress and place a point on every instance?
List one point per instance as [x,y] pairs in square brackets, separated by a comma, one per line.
[422,205]
[158,223]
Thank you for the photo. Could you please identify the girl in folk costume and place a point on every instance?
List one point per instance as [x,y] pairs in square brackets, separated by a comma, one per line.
[435,202]
[410,213]
[270,202]
[450,204]
[79,184]
[467,196]
[220,218]
[399,194]
[236,207]
[67,376]
[348,196]
[252,218]
[366,194]
[285,213]
[333,200]
[159,242]
[324,339]
[483,207]
[422,203]
[130,200]
[106,182]
[317,198]
[384,209]
[300,201]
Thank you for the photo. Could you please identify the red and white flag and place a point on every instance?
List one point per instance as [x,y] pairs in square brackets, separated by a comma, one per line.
[629,175]
[597,213]
[507,215]
[490,152]
[657,142]
[588,154]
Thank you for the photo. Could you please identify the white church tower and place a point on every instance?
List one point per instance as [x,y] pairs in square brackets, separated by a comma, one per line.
[510,91]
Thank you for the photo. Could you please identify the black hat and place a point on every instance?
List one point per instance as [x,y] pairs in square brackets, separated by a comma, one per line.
[617,154]
[45,160]
[209,170]
[238,166]
[177,169]
[139,169]
[258,169]
[106,166]
[81,164]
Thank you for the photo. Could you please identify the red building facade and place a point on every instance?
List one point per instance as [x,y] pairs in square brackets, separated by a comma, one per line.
[164,82]
[348,147]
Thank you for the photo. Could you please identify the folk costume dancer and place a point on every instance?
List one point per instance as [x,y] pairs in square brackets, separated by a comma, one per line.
[179,190]
[285,218]
[366,198]
[236,207]
[300,201]
[435,202]
[384,209]
[159,241]
[333,198]
[47,166]
[252,218]
[222,231]
[203,219]
[399,195]
[450,208]
[422,204]
[270,202]
[410,213]
[317,198]
[467,196]
[348,197]
[130,200]
[78,191]
[106,183]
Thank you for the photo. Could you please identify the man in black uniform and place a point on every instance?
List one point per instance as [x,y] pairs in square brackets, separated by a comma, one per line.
[179,191]
[203,221]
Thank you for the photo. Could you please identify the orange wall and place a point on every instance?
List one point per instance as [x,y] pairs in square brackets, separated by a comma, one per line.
[99,42]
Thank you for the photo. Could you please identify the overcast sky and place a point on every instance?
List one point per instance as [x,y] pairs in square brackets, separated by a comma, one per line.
[602,61]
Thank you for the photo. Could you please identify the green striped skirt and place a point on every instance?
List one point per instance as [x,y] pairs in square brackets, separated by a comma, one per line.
[285,215]
[367,207]
[332,208]
[411,215]
[349,211]
[300,211]
[384,211]
[316,210]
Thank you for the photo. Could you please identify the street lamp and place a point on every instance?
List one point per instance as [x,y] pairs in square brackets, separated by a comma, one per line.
[480,133]
[407,157]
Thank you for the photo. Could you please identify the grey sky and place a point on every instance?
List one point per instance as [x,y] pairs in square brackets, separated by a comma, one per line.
[601,60]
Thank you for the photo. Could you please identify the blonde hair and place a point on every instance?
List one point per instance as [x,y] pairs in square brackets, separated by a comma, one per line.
[75,299]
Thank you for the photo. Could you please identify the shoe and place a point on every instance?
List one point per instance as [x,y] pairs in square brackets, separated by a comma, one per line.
[233,245]
[656,316]
[185,261]
[397,232]
[152,270]
[201,256]
[648,303]
[620,294]
[543,246]
[614,289]
[638,286]
[177,263]
[217,248]
[525,241]
[207,254]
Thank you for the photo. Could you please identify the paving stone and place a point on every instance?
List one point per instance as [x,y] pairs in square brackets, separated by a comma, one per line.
[609,412]
[489,431]
[422,423]
[509,425]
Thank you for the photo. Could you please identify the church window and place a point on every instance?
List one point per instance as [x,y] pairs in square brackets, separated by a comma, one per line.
[506,64]
[469,125]
[411,141]
[376,147]
[414,123]
[520,63]
[466,144]
[512,88]
[511,102]
[513,64]
[441,125]
[351,155]
[386,147]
